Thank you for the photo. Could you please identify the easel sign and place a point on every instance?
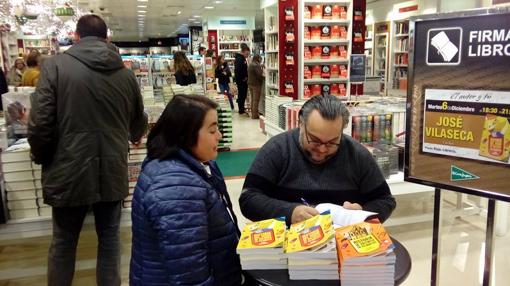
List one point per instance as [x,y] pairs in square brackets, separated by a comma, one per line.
[458,112]
[458,123]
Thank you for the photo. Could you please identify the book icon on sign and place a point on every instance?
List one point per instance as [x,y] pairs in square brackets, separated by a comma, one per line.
[444,46]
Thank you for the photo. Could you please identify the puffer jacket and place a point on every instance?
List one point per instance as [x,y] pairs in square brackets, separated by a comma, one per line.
[183,233]
[85,108]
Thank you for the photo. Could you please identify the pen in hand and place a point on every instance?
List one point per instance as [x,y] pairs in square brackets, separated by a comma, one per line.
[305,202]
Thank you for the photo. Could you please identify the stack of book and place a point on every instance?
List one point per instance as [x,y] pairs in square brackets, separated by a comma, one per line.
[261,245]
[365,254]
[311,249]
[20,176]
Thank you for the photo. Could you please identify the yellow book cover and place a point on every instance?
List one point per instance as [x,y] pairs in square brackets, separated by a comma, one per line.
[310,233]
[495,141]
[362,239]
[263,234]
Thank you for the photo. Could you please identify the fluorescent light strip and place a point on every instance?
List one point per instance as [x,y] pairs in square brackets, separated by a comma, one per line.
[208,7]
[142,6]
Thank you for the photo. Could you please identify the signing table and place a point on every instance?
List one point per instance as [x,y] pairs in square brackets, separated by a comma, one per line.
[281,277]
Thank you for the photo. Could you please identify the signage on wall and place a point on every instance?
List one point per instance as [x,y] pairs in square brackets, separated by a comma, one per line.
[232,22]
[458,131]
[405,9]
[357,68]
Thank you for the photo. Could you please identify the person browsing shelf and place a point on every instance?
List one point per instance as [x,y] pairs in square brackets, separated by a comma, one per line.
[184,71]
[255,83]
[16,73]
[184,228]
[223,74]
[315,163]
[85,108]
[241,76]
[31,75]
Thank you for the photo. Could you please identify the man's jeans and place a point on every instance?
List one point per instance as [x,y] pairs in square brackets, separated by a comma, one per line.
[67,224]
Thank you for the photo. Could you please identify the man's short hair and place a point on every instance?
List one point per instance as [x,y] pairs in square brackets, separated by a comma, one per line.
[329,107]
[91,25]
[244,47]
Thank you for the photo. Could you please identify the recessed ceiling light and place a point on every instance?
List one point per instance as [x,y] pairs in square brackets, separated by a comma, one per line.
[142,6]
[208,7]
[218,2]
[142,11]
[179,12]
[197,16]
[143,0]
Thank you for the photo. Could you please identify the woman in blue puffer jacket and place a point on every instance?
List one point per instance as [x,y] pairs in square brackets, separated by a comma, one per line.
[184,228]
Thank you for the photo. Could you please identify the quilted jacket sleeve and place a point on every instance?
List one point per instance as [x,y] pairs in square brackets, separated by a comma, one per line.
[177,212]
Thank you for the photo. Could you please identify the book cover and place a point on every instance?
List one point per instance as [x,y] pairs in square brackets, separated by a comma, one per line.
[495,141]
[360,240]
[269,233]
[310,233]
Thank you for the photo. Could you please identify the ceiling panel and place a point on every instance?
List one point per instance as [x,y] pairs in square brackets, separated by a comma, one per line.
[162,16]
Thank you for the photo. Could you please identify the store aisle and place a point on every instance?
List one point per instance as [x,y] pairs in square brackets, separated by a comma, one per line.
[247,134]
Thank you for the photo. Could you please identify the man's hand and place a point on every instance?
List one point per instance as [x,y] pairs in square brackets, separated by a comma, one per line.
[351,206]
[301,213]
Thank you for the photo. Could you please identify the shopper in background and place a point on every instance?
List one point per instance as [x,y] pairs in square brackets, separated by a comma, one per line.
[184,228]
[223,74]
[184,70]
[16,73]
[241,76]
[255,81]
[202,51]
[3,87]
[314,163]
[209,53]
[86,107]
[31,75]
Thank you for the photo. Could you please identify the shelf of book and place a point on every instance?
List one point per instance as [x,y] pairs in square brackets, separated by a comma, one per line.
[271,29]
[369,50]
[399,57]
[380,54]
[326,28]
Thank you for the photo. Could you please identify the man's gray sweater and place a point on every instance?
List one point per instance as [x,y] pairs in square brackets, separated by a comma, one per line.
[281,175]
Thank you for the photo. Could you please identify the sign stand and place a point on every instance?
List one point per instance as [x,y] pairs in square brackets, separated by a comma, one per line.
[458,123]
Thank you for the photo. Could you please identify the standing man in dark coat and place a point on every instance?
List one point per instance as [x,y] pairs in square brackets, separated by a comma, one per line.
[86,107]
[241,76]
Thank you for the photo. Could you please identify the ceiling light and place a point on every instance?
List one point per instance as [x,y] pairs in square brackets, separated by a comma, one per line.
[143,0]
[179,12]
[142,11]
[142,6]
[208,7]
[218,2]
[197,16]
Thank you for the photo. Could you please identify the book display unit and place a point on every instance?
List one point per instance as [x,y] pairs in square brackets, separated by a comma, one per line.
[381,40]
[271,48]
[229,44]
[8,49]
[369,50]
[326,28]
[40,43]
[400,56]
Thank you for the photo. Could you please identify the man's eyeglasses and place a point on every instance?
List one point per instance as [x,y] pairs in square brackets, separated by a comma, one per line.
[318,144]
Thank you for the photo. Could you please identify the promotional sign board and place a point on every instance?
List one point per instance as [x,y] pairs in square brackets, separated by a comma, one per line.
[458,123]
[357,68]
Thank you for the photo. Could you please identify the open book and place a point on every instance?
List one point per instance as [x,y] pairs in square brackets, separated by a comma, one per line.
[444,46]
[343,217]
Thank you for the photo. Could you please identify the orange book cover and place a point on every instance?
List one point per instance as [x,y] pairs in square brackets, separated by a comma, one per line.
[365,239]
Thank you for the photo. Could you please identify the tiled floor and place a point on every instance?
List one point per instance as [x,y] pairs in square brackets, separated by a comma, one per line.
[23,261]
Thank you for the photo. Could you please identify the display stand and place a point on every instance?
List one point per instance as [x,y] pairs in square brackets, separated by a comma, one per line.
[369,50]
[40,43]
[444,69]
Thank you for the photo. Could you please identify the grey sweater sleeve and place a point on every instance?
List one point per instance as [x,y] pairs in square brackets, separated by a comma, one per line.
[257,200]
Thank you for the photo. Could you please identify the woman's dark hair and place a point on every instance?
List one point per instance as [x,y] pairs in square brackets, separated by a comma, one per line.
[33,59]
[178,125]
[182,64]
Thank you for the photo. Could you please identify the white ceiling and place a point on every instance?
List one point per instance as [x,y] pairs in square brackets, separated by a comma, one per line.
[162,18]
